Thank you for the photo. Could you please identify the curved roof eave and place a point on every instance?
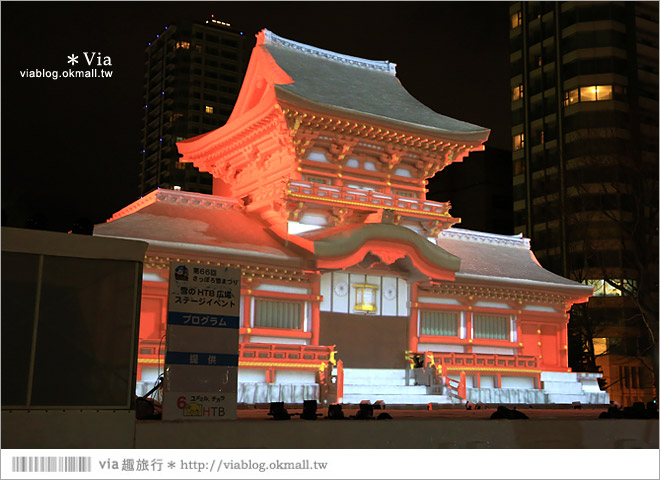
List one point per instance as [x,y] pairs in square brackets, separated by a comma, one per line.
[348,241]
[576,289]
[480,135]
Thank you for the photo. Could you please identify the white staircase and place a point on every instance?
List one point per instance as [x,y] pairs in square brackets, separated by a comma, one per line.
[569,387]
[388,385]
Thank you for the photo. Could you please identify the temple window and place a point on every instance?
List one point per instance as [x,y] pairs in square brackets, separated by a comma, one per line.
[495,327]
[439,323]
[353,163]
[371,166]
[517,92]
[321,180]
[405,193]
[278,314]
[365,297]
[360,187]
[317,157]
[402,172]
[519,141]
[208,109]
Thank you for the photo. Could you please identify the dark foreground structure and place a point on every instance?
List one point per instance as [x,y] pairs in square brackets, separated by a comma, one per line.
[418,429]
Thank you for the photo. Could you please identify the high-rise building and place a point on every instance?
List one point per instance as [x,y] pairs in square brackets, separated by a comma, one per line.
[194,71]
[584,83]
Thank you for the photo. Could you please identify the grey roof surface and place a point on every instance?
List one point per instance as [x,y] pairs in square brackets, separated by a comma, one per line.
[335,80]
[183,218]
[497,256]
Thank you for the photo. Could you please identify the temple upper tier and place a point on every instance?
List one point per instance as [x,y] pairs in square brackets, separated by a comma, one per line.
[338,133]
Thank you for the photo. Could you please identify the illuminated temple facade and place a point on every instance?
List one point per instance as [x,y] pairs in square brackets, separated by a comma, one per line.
[355,287]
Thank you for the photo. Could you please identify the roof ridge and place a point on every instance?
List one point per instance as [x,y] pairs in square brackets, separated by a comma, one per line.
[266,37]
[179,197]
[485,237]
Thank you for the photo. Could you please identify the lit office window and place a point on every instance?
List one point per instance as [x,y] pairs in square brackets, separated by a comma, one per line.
[591,93]
[519,141]
[604,92]
[603,288]
[588,94]
[516,19]
[183,45]
[571,97]
[600,346]
[517,92]
[208,109]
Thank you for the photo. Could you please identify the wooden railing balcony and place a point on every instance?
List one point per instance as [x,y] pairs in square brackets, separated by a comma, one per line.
[483,361]
[267,355]
[365,199]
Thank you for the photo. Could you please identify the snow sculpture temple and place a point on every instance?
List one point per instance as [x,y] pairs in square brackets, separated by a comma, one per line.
[355,287]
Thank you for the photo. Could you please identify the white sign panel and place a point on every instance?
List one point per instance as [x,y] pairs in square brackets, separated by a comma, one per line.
[201,361]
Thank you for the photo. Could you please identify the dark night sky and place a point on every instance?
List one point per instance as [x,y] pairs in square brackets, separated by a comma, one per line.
[70,147]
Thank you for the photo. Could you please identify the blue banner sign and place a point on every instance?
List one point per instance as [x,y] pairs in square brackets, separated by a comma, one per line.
[202,320]
[204,359]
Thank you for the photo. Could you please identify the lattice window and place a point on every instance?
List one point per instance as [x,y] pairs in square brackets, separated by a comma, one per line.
[278,314]
[491,326]
[440,323]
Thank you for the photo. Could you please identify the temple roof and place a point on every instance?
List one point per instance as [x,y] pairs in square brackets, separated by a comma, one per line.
[195,222]
[500,257]
[212,225]
[355,86]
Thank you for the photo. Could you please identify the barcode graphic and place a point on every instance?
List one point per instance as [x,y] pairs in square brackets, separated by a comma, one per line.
[51,464]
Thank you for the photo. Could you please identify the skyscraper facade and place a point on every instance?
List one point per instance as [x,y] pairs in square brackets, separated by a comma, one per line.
[584,101]
[193,74]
